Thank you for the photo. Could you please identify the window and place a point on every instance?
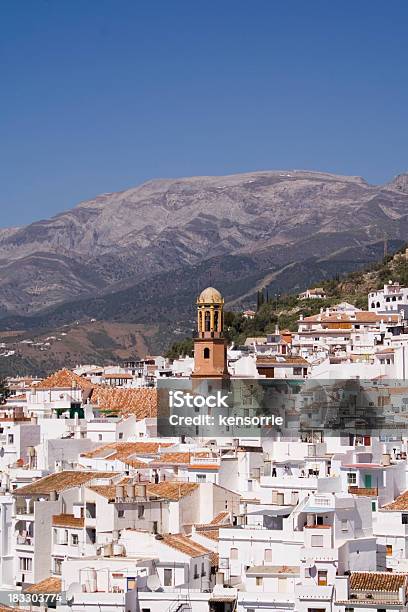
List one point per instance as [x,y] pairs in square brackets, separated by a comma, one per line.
[168,577]
[344,525]
[351,478]
[373,506]
[121,435]
[90,511]
[203,569]
[322,578]
[121,513]
[74,539]
[268,555]
[206,353]
[404,519]
[57,566]
[99,436]
[348,609]
[140,511]
[259,581]
[388,550]
[201,477]
[297,371]
[317,540]
[11,438]
[196,571]
[234,553]
[26,564]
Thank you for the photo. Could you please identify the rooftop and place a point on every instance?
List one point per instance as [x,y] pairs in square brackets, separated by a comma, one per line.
[188,547]
[60,481]
[399,503]
[141,403]
[377,581]
[48,585]
[63,379]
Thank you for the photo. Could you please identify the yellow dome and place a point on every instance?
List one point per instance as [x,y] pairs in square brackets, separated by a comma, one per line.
[210,296]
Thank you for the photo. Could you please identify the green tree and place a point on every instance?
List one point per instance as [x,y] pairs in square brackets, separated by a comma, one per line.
[4,391]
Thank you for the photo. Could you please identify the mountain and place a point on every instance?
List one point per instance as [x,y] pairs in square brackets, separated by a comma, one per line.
[140,256]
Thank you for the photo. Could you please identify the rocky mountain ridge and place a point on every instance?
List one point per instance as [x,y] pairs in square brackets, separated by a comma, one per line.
[168,237]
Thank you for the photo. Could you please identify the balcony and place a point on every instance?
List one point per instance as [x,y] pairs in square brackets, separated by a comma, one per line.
[24,541]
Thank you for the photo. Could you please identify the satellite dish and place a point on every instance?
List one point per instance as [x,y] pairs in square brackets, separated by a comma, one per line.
[153,583]
[75,587]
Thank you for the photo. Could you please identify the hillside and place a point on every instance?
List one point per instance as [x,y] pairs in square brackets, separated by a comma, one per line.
[285,310]
[138,258]
[354,287]
[186,232]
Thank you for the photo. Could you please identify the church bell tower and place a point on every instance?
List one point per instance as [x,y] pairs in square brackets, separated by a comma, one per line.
[210,346]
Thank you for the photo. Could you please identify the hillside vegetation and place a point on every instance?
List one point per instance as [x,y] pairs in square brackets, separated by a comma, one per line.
[285,310]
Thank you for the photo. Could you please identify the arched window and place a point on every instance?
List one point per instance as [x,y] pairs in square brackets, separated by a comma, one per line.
[216,320]
[378,304]
[206,353]
[200,320]
[207,320]
[372,304]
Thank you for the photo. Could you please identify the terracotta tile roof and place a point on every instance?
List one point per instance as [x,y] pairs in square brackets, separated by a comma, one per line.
[399,503]
[67,520]
[173,491]
[184,458]
[119,450]
[142,403]
[377,581]
[187,546]
[107,491]
[48,585]
[220,518]
[362,316]
[60,481]
[176,458]
[64,379]
[211,532]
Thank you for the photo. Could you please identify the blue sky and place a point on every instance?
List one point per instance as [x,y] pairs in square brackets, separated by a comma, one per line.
[101,95]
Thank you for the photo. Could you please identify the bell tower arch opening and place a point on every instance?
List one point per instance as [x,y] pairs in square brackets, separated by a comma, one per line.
[210,346]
